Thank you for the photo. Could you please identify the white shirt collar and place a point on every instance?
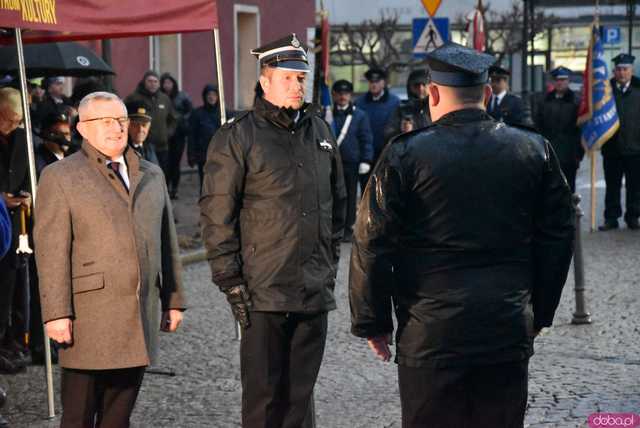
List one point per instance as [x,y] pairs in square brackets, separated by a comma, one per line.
[379,96]
[500,96]
[124,171]
[624,87]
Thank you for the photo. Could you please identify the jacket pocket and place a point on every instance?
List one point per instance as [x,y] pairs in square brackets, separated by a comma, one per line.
[86,283]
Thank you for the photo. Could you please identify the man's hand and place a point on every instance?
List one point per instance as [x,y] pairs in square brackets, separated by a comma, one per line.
[364,168]
[13,201]
[240,301]
[171,319]
[60,330]
[380,346]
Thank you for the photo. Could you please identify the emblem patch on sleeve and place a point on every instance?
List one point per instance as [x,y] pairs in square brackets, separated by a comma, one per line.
[325,145]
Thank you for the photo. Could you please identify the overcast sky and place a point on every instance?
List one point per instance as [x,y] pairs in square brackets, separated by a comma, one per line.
[356,11]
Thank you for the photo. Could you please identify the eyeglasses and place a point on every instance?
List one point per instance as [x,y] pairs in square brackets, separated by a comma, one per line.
[108,121]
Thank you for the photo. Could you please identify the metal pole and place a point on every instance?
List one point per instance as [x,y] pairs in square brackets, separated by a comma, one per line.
[33,183]
[580,316]
[532,53]
[216,41]
[525,41]
[631,12]
[106,56]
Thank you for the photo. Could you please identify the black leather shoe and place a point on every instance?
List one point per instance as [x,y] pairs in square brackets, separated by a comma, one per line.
[633,224]
[609,225]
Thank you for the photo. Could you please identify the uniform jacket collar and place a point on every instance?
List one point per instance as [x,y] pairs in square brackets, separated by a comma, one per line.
[568,96]
[463,116]
[282,117]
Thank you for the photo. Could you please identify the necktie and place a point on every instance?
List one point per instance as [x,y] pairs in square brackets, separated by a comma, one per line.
[115,167]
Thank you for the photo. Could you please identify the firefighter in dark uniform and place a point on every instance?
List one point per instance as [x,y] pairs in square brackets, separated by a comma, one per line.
[272,215]
[504,106]
[477,221]
[621,154]
[556,120]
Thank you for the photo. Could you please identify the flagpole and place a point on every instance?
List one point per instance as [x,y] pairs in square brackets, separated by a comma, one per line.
[592,156]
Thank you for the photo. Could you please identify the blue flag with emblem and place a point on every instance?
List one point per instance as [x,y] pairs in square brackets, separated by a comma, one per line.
[598,116]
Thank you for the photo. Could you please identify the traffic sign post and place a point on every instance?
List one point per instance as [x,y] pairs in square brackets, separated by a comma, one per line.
[429,34]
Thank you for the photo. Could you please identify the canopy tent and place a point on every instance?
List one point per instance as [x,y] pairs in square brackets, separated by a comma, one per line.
[64,20]
[60,20]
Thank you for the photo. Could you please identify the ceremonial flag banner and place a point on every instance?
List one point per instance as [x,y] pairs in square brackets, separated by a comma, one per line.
[598,116]
[475,30]
[59,20]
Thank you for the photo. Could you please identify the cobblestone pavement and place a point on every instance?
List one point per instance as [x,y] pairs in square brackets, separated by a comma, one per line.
[577,369]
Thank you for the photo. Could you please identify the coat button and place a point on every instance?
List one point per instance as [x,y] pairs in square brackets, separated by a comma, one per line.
[99,160]
[300,164]
[304,214]
[111,176]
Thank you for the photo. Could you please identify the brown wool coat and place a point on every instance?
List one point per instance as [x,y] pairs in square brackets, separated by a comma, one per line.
[107,259]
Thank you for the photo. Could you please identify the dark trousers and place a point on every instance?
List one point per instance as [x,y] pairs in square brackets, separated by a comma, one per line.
[8,279]
[99,398]
[351,183]
[280,356]
[176,150]
[464,397]
[614,169]
[163,161]
[201,174]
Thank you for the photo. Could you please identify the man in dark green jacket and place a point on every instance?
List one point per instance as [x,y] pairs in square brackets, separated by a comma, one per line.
[621,154]
[163,118]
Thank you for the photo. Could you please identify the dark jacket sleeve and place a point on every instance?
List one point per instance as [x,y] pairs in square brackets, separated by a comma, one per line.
[365,139]
[222,191]
[553,241]
[339,210]
[377,226]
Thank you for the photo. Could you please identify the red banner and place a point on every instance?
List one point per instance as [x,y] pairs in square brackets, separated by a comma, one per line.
[57,20]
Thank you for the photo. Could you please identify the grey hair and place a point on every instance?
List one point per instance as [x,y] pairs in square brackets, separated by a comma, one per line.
[99,96]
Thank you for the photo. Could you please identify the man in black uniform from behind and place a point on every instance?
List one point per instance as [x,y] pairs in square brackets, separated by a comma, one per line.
[272,215]
[477,220]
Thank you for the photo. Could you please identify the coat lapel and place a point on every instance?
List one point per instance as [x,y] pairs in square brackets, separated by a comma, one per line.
[99,161]
[136,172]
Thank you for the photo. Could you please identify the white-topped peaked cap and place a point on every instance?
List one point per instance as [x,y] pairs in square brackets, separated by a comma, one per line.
[287,53]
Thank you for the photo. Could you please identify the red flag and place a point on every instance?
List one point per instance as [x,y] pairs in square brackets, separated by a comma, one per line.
[324,43]
[475,30]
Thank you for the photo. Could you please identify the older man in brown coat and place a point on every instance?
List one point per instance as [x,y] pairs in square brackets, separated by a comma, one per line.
[108,263]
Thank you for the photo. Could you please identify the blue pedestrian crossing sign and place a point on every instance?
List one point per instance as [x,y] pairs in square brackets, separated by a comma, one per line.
[429,34]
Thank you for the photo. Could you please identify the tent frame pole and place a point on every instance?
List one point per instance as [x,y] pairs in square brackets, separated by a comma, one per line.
[34,188]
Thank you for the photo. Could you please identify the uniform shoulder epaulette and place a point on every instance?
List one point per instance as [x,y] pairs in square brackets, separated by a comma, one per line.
[235,119]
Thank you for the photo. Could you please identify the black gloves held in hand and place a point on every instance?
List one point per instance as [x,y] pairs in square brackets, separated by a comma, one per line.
[240,301]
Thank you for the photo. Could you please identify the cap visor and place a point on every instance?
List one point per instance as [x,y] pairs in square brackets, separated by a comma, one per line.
[293,66]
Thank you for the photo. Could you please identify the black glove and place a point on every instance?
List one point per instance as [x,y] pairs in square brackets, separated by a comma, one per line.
[240,301]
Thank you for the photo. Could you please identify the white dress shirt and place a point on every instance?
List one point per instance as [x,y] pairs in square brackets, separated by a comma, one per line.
[122,169]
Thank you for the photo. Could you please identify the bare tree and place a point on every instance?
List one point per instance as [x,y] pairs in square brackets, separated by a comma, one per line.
[503,29]
[374,43]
